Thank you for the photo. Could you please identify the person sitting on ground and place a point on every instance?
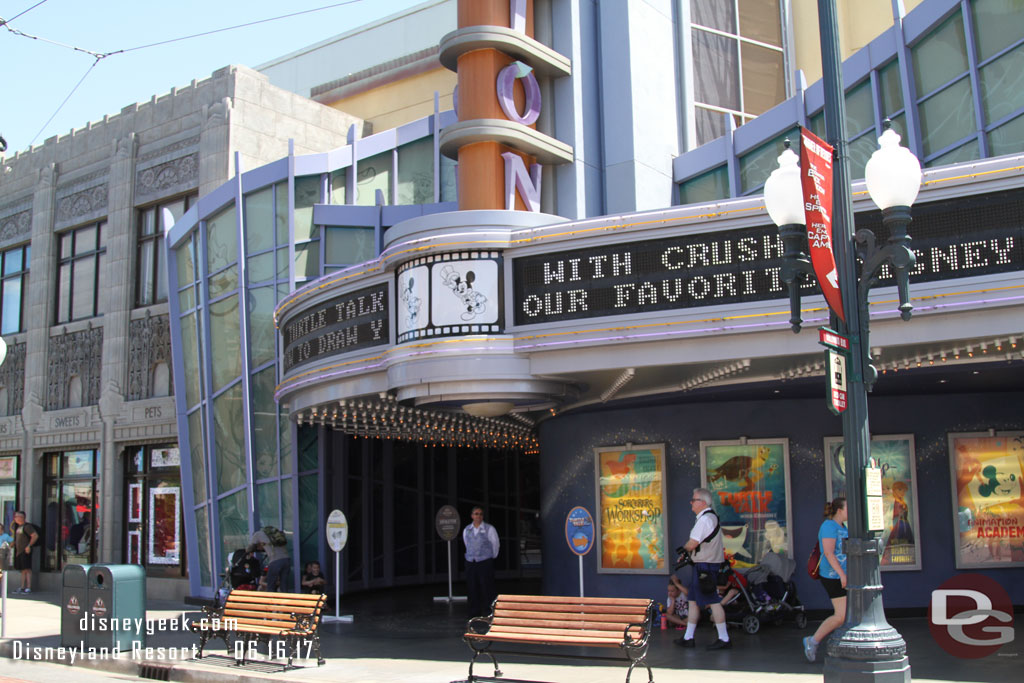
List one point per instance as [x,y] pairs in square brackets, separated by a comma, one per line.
[677,605]
[312,580]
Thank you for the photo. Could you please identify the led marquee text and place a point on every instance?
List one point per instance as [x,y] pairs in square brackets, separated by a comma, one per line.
[744,265]
[348,323]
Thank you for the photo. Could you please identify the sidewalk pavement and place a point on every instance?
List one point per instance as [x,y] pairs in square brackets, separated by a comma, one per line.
[402,635]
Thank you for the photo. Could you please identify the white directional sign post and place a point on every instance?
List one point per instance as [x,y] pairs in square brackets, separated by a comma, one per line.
[448,523]
[337,536]
[835,367]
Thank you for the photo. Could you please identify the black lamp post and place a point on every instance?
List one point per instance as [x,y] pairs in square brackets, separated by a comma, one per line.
[866,647]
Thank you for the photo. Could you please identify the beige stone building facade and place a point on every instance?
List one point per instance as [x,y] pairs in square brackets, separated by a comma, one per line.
[88,440]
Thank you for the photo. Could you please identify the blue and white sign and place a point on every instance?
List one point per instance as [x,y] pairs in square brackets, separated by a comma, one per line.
[579,530]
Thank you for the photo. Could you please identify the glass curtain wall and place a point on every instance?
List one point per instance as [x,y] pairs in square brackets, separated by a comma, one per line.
[231,259]
[965,80]
[738,62]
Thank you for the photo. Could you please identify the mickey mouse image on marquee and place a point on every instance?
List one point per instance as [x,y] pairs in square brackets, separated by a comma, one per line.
[412,303]
[473,301]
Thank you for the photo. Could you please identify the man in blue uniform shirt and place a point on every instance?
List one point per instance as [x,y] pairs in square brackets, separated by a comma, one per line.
[481,541]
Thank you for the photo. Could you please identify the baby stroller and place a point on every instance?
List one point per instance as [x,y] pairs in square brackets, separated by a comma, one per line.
[763,593]
[243,572]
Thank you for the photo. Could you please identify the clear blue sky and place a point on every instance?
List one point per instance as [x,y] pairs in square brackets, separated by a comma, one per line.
[37,76]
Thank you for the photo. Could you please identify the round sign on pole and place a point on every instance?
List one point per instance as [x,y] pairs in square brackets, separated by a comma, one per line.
[337,530]
[447,523]
[579,530]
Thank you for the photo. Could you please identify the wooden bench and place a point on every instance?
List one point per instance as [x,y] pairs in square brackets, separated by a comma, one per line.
[260,616]
[623,623]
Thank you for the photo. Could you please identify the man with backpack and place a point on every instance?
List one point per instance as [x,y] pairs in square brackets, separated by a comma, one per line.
[707,550]
[272,542]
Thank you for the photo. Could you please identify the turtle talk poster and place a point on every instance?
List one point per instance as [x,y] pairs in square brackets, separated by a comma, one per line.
[749,483]
[895,457]
[631,512]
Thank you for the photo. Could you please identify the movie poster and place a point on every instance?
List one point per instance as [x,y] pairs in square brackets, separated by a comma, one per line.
[631,509]
[749,483]
[988,499]
[895,456]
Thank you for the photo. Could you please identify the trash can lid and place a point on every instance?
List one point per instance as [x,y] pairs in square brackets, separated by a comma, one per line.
[74,575]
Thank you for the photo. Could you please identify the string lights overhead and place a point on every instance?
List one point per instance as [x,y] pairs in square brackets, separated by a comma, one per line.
[385,418]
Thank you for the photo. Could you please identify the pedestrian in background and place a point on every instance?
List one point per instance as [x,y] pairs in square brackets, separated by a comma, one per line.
[832,537]
[481,541]
[25,539]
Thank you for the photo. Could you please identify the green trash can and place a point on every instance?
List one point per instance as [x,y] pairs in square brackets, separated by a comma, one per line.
[74,605]
[117,606]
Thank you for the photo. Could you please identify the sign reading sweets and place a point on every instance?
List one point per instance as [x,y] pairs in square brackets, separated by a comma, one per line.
[347,323]
[816,179]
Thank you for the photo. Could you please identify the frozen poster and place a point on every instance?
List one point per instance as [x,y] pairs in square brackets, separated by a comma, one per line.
[895,457]
[631,509]
[988,499]
[749,483]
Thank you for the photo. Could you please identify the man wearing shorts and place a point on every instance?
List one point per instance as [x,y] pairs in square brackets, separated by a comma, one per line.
[708,552]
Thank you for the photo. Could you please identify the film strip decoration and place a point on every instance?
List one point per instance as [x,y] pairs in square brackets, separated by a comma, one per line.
[448,295]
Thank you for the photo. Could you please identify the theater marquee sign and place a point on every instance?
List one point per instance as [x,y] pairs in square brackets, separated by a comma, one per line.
[952,239]
[351,322]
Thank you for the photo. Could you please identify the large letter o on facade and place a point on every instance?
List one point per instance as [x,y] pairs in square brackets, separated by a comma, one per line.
[506,79]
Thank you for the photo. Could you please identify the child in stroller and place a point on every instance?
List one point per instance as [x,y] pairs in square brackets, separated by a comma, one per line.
[762,593]
[242,572]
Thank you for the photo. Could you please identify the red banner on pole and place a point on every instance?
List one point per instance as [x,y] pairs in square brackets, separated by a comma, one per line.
[816,179]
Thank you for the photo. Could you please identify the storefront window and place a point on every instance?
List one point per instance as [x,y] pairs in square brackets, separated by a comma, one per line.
[8,489]
[70,509]
[154,535]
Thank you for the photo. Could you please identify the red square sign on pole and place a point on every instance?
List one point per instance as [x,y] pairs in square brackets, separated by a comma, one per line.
[816,179]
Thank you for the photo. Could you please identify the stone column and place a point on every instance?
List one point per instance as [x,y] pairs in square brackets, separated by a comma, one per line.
[116,306]
[214,145]
[38,315]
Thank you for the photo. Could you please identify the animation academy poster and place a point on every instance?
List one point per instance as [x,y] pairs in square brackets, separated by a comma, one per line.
[988,499]
[749,482]
[895,457]
[631,509]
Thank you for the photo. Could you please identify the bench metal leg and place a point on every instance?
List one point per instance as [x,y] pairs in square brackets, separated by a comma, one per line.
[639,660]
[476,653]
[316,645]
[203,637]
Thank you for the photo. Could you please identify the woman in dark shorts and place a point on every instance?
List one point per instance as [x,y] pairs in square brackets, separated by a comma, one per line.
[832,538]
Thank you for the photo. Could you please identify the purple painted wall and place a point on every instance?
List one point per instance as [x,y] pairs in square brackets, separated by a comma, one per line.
[567,479]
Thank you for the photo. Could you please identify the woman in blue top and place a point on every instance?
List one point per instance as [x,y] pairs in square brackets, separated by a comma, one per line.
[832,571]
